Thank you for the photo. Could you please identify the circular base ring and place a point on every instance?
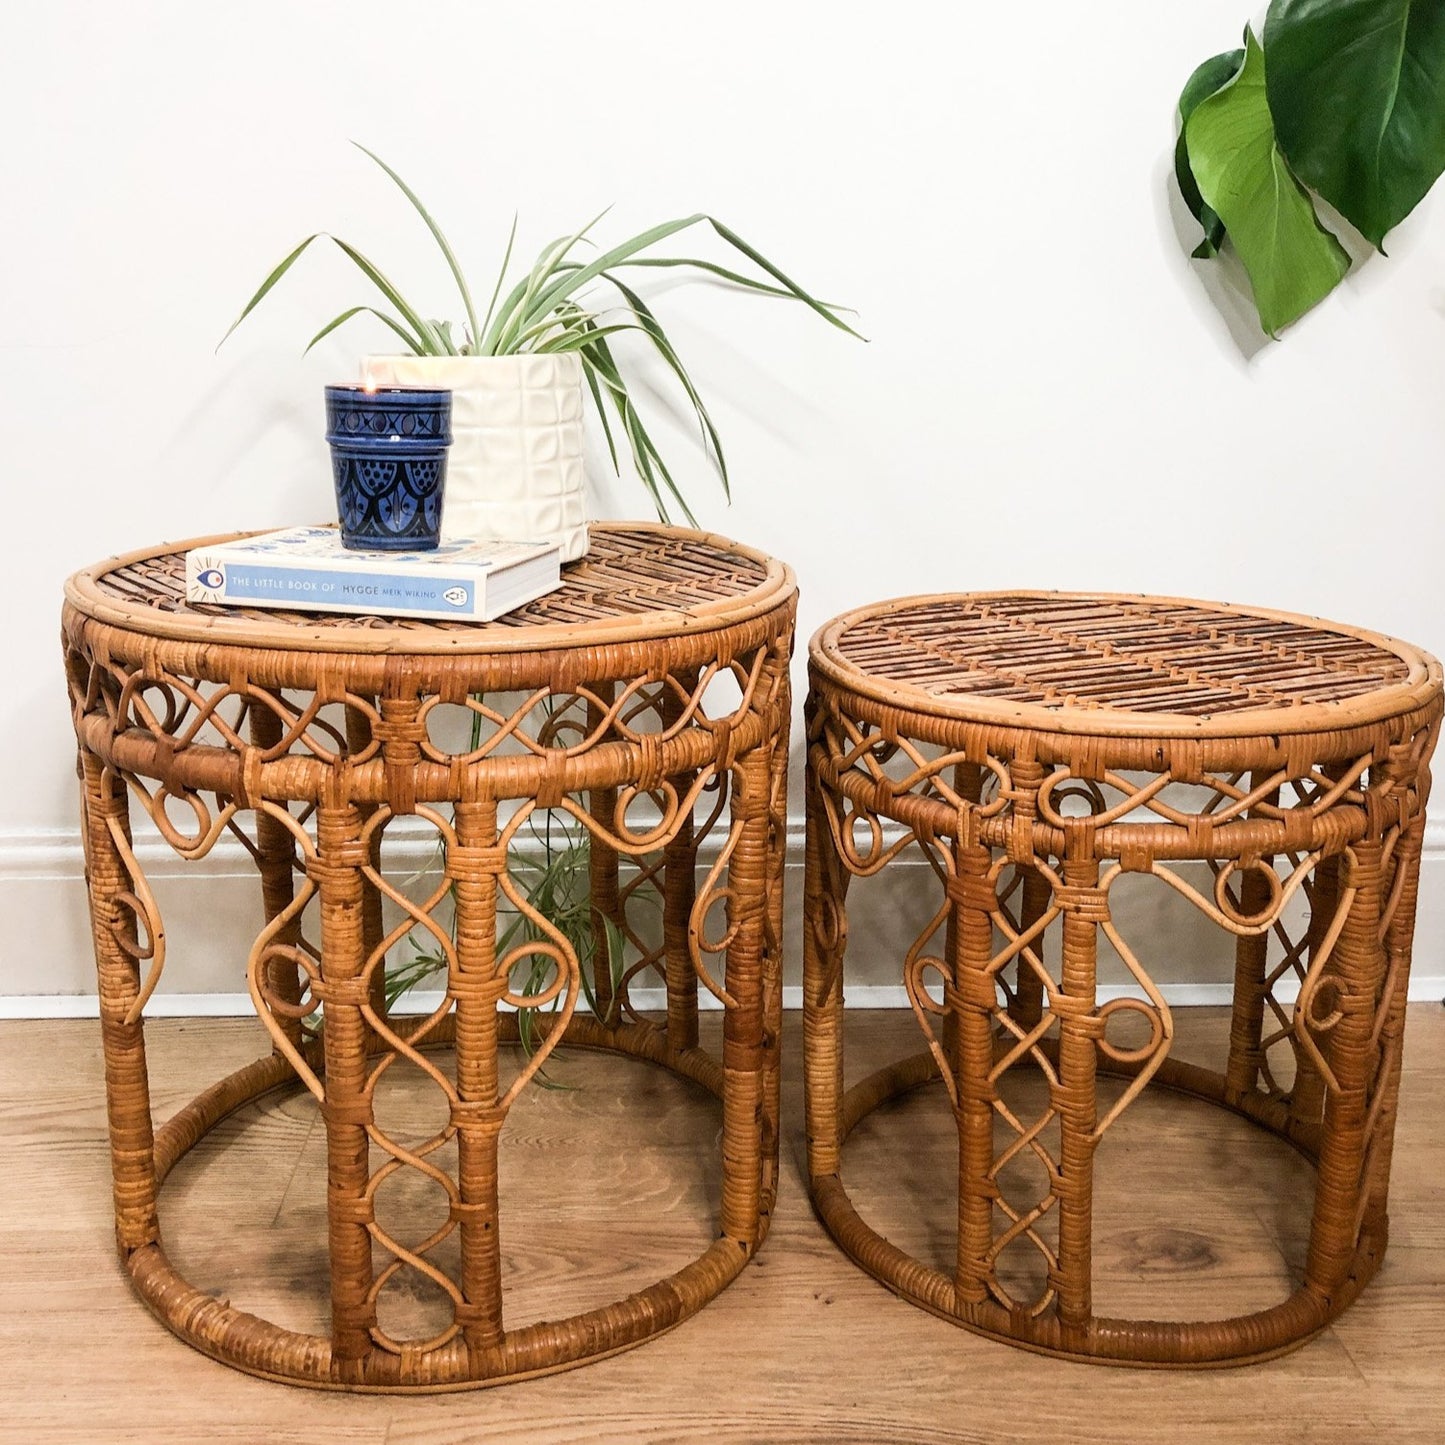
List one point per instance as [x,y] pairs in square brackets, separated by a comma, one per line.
[258,1347]
[1159,1344]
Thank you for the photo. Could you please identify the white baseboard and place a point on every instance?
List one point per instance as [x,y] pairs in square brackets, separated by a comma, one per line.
[1427,989]
[212,913]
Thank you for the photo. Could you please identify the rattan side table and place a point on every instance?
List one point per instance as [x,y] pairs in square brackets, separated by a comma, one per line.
[1037,747]
[647,700]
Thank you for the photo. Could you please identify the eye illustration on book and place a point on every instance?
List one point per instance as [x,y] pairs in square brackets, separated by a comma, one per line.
[211,578]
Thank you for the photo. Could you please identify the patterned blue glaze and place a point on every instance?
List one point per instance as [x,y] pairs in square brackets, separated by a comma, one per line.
[389,458]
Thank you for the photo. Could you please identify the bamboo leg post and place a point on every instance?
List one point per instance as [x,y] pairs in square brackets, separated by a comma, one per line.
[358,737]
[825,937]
[113,930]
[1399,937]
[1357,966]
[346,1108]
[743,1026]
[1246,1027]
[602,872]
[276,853]
[772,981]
[1307,1095]
[1084,907]
[475,865]
[1251,967]
[968,784]
[679,893]
[969,1002]
[1410,780]
[1028,1009]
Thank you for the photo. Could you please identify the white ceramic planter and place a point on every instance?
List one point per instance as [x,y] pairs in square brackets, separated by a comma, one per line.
[514,471]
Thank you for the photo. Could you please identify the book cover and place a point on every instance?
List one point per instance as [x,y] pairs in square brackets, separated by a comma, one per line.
[308,569]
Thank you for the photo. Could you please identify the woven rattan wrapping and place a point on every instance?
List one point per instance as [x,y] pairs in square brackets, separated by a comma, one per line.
[1036,748]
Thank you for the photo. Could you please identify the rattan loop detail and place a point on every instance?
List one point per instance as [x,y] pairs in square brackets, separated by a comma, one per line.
[645,703]
[1061,741]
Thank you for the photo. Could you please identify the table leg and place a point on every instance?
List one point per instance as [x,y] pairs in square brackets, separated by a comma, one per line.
[346,1108]
[1075,1097]
[602,874]
[825,937]
[113,928]
[1307,1094]
[477,861]
[1357,967]
[358,737]
[275,859]
[1399,940]
[1028,1008]
[744,1057]
[773,939]
[970,1004]
[679,893]
[1246,1028]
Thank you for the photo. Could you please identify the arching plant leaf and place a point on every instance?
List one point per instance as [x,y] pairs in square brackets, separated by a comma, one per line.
[1215,73]
[1292,260]
[1357,91]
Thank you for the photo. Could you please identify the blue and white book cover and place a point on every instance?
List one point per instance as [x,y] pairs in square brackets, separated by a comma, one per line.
[308,568]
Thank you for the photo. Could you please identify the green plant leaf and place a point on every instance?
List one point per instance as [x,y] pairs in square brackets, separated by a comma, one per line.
[575,338]
[436,231]
[497,289]
[523,307]
[645,456]
[1292,260]
[737,278]
[346,316]
[571,282]
[433,344]
[823,310]
[1213,75]
[653,328]
[268,283]
[1357,91]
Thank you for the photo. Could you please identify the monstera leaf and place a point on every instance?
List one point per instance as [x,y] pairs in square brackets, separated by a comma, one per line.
[1357,91]
[1217,71]
[1292,260]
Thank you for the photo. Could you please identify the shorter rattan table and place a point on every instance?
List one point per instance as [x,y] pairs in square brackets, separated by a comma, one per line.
[645,704]
[1039,747]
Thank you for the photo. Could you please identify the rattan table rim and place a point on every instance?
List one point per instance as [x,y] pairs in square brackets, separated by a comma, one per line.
[84,594]
[1424,682]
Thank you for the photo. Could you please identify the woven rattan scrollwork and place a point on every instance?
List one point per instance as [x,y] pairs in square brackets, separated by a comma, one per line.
[1036,750]
[648,715]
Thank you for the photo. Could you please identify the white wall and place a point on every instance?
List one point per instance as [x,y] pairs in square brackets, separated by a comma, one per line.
[1051,394]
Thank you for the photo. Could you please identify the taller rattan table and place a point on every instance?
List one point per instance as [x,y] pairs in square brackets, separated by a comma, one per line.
[647,701]
[1038,748]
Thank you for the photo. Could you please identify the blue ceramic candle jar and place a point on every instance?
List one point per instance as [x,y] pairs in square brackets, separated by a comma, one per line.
[389,458]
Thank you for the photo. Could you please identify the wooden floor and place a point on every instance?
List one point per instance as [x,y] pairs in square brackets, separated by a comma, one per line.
[606,1186]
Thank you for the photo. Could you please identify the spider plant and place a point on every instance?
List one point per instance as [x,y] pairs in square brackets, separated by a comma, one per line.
[564,303]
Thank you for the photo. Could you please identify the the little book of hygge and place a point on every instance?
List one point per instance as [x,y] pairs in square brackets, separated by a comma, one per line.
[308,569]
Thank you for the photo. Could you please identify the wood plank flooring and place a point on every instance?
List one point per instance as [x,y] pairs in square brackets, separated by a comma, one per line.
[607,1185]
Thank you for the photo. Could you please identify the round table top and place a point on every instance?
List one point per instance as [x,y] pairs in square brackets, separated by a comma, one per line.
[1114,664]
[639,581]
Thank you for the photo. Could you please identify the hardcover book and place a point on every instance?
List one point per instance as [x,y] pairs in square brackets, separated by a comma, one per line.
[308,569]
